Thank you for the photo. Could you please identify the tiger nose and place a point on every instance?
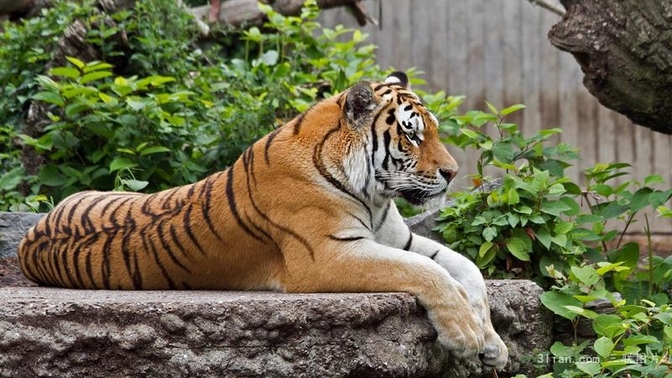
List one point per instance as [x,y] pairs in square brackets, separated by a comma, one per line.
[448,174]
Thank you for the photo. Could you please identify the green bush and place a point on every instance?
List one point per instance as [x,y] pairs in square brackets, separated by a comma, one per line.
[169,111]
[539,224]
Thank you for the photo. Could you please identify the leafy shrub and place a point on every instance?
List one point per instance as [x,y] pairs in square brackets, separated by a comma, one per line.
[185,112]
[568,237]
[538,217]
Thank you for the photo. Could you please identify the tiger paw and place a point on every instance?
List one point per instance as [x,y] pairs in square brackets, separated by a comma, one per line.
[462,334]
[494,355]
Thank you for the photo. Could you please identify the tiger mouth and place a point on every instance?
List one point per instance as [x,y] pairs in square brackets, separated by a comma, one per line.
[419,196]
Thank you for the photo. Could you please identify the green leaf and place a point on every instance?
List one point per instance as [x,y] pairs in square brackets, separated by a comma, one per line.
[603,347]
[602,189]
[485,247]
[588,218]
[513,219]
[78,63]
[544,237]
[49,97]
[68,72]
[503,151]
[137,104]
[585,274]
[608,325]
[523,210]
[653,179]
[513,197]
[668,332]
[572,188]
[270,58]
[512,109]
[11,179]
[519,247]
[95,75]
[658,197]
[640,199]
[574,208]
[639,339]
[489,233]
[491,107]
[153,150]
[555,208]
[134,185]
[563,227]
[97,66]
[613,210]
[592,368]
[51,176]
[470,133]
[122,163]
[557,302]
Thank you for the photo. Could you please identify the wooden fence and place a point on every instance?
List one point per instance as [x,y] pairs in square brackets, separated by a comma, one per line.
[497,51]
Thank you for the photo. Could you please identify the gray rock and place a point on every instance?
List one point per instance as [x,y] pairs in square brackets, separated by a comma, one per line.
[76,333]
[425,224]
[13,227]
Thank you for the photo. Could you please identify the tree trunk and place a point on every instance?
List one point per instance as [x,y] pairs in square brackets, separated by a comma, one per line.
[624,48]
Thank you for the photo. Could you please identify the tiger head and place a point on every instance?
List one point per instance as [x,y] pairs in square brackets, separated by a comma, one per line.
[401,138]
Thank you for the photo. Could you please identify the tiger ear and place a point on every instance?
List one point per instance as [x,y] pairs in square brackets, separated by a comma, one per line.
[398,77]
[360,104]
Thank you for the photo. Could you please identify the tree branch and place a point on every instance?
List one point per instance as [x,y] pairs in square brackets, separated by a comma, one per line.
[550,7]
[237,12]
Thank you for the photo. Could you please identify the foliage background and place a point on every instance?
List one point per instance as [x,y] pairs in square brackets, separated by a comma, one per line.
[170,109]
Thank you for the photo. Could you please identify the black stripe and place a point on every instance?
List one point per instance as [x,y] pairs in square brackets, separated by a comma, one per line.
[154,250]
[368,227]
[347,238]
[206,191]
[387,137]
[75,260]
[176,240]
[407,247]
[259,229]
[298,121]
[89,271]
[186,223]
[168,248]
[105,265]
[434,254]
[322,169]
[129,231]
[291,233]
[383,218]
[231,199]
[248,163]
[111,233]
[391,118]
[296,236]
[267,146]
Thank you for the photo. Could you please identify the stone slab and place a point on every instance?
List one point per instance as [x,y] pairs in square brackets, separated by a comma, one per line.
[85,333]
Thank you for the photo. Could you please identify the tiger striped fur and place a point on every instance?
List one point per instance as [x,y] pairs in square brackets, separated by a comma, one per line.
[308,208]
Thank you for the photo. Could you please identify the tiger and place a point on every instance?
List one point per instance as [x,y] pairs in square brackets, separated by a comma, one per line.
[307,208]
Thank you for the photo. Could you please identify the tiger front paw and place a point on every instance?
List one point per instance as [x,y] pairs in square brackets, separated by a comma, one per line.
[461,333]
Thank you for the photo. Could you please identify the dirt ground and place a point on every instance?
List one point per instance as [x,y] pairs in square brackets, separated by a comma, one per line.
[10,275]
